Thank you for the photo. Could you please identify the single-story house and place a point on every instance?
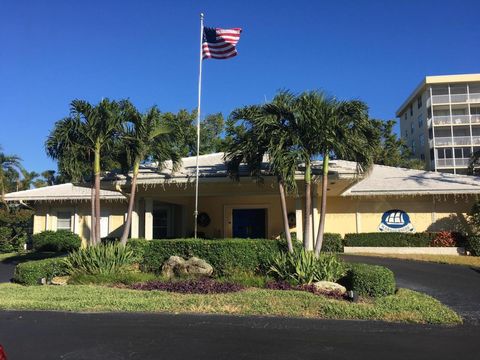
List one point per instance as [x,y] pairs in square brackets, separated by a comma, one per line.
[385,199]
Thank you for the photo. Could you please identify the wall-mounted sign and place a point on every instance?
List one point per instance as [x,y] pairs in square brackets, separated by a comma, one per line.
[396,221]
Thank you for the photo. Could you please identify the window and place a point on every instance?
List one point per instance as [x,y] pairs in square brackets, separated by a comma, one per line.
[405,115]
[411,110]
[413,147]
[429,112]
[421,140]
[420,120]
[64,220]
[422,157]
[419,102]
[411,127]
[406,133]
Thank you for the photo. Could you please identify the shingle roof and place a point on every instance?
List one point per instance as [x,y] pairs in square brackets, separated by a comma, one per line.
[67,191]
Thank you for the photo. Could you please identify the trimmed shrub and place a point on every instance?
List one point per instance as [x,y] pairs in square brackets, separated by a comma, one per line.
[303,267]
[198,286]
[101,259]
[423,239]
[226,255]
[138,248]
[5,240]
[332,243]
[29,273]
[56,241]
[370,280]
[473,244]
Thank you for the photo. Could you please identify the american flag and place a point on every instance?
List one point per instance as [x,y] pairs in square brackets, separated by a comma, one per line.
[220,43]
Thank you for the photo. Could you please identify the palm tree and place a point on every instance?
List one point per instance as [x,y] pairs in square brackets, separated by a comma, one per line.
[145,135]
[28,178]
[343,129]
[8,163]
[266,132]
[80,140]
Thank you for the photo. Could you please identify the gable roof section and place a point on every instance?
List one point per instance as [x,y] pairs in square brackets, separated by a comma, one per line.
[61,192]
[387,180]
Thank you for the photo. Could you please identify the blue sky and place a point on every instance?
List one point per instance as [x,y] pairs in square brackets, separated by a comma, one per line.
[57,50]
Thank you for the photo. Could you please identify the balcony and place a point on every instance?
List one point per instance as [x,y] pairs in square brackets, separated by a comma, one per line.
[447,120]
[457,162]
[454,98]
[457,141]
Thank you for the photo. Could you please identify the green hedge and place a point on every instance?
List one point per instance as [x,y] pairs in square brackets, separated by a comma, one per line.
[224,255]
[389,239]
[56,241]
[332,243]
[29,273]
[370,280]
[473,244]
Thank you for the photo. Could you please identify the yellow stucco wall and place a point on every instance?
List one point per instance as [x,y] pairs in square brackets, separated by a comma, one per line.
[344,214]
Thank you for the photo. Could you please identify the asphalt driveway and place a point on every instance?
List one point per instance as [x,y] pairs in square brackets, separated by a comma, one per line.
[69,336]
[454,285]
[6,271]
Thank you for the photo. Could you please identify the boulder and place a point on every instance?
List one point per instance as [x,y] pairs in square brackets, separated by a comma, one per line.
[175,265]
[198,267]
[59,280]
[329,287]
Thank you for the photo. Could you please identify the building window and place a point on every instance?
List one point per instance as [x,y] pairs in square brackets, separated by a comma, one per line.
[420,120]
[411,110]
[412,128]
[421,140]
[405,115]
[406,133]
[413,147]
[419,102]
[422,157]
[64,220]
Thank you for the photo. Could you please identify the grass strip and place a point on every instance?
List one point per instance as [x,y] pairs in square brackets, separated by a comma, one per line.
[405,306]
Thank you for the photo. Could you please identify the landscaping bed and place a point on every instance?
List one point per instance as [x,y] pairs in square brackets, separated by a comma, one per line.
[404,306]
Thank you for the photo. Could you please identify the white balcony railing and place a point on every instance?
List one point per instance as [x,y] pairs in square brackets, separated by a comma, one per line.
[457,141]
[446,120]
[454,98]
[452,162]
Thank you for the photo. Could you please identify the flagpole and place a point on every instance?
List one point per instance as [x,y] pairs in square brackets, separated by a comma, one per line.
[195,214]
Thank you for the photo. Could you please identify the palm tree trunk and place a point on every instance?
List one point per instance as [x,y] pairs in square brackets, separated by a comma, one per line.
[97,195]
[307,228]
[92,217]
[2,192]
[323,209]
[131,201]
[286,228]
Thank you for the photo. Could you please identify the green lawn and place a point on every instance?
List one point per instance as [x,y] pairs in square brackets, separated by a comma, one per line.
[405,306]
[27,256]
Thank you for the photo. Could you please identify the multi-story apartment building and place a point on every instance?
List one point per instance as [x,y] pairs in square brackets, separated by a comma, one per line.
[440,121]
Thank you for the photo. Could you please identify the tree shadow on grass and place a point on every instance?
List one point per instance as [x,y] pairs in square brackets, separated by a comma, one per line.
[31,256]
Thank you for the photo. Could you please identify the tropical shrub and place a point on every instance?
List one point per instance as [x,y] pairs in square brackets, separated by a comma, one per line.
[443,239]
[29,273]
[227,256]
[303,267]
[100,259]
[422,239]
[370,280]
[14,229]
[56,241]
[193,286]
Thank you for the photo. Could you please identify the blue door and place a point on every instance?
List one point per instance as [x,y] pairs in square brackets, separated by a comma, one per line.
[249,223]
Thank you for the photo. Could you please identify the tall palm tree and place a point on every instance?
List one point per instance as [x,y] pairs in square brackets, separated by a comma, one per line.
[8,163]
[343,129]
[27,180]
[266,132]
[80,140]
[145,136]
